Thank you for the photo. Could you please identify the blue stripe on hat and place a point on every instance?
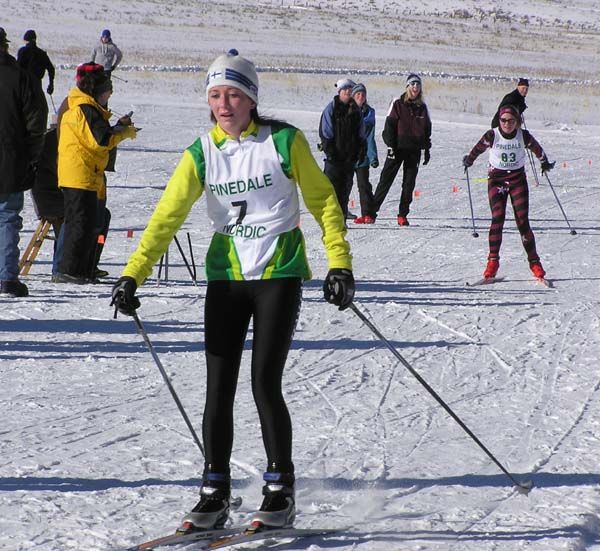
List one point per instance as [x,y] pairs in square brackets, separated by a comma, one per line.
[232,74]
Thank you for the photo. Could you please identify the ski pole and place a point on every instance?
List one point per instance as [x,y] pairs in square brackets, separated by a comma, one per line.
[53,106]
[235,502]
[530,155]
[474,234]
[191,255]
[187,265]
[523,487]
[158,363]
[573,232]
[533,169]
[118,78]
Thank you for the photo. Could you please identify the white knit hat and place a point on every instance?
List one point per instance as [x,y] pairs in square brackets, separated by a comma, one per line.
[344,83]
[231,69]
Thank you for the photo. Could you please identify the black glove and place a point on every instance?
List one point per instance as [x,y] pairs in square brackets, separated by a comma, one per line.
[391,153]
[338,287]
[547,166]
[374,163]
[466,162]
[123,296]
[50,89]
[426,157]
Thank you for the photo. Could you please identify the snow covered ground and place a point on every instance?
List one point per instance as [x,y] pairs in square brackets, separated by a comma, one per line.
[95,456]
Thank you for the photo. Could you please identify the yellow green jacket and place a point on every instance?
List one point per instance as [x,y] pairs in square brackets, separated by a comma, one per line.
[187,185]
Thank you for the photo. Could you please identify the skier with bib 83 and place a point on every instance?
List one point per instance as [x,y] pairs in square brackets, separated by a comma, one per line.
[249,168]
[506,177]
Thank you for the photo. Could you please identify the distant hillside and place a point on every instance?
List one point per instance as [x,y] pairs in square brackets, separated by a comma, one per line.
[553,39]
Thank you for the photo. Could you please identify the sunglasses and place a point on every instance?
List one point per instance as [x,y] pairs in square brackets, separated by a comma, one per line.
[507,121]
[414,83]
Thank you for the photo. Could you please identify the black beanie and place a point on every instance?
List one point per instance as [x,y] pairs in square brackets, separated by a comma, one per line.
[29,35]
[103,84]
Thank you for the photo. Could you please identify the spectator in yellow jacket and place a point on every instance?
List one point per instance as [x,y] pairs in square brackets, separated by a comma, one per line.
[85,140]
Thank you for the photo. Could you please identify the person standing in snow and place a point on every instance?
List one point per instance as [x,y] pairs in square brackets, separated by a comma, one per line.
[515,98]
[23,117]
[343,140]
[249,168]
[506,177]
[35,60]
[85,141]
[365,190]
[106,53]
[407,131]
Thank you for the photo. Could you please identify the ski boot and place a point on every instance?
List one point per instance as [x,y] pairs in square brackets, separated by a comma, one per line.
[278,509]
[212,511]
[491,269]
[536,269]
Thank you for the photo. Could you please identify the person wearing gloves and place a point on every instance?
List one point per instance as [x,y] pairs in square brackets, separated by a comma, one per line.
[506,177]
[407,131]
[365,190]
[107,53]
[343,140]
[85,141]
[249,169]
[35,60]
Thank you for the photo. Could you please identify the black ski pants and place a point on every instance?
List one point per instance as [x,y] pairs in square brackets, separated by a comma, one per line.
[365,191]
[342,177]
[410,158]
[274,306]
[79,234]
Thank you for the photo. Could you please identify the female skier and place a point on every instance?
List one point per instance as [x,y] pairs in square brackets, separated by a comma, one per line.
[248,167]
[506,176]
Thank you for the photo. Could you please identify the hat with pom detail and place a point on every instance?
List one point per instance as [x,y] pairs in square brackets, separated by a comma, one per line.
[231,69]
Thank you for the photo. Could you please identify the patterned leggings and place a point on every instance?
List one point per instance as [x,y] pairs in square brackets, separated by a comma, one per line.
[501,184]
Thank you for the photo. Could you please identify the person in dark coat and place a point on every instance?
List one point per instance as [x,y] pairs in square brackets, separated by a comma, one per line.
[35,60]
[343,140]
[407,132]
[23,118]
[515,98]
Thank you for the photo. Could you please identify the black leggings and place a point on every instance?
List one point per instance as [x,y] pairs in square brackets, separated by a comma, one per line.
[274,306]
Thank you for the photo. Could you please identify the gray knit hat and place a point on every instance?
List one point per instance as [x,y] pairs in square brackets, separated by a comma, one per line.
[231,69]
[413,77]
[360,87]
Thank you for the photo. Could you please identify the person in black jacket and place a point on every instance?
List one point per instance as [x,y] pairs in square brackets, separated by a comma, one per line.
[407,131]
[343,140]
[23,118]
[35,60]
[515,98]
